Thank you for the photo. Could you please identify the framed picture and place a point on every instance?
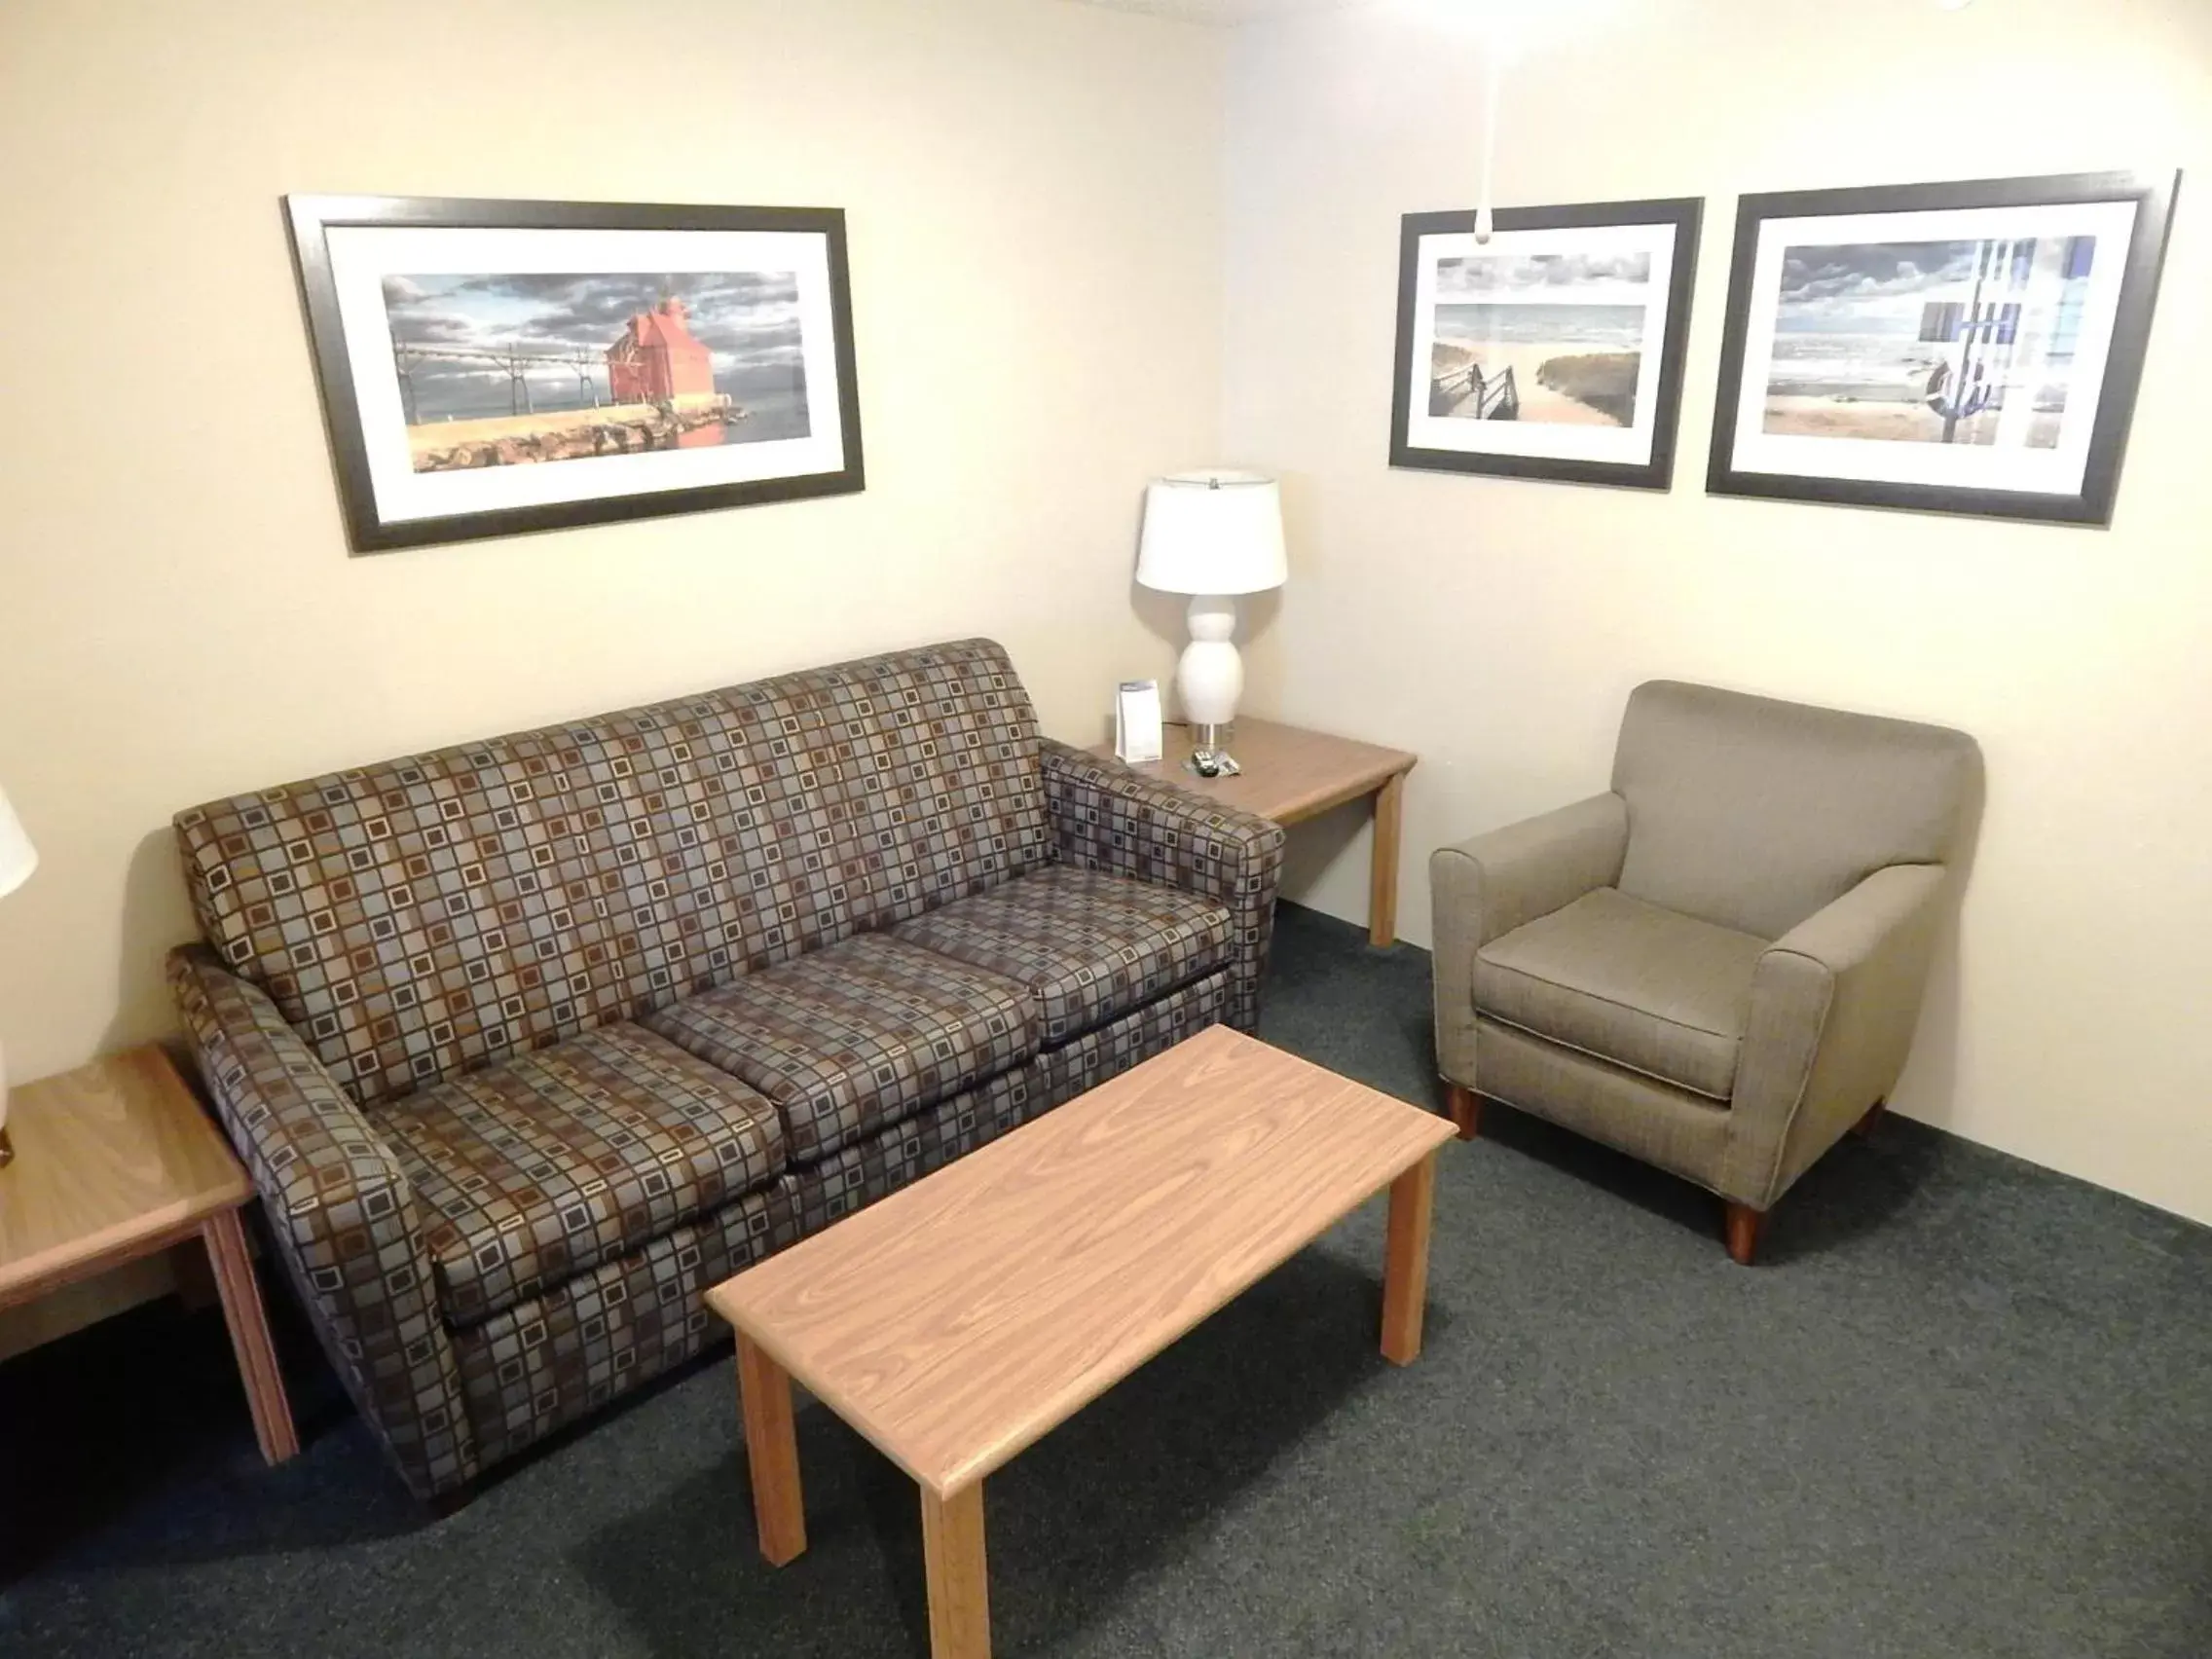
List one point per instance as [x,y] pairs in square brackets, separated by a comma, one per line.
[1951,347]
[1554,350]
[489,367]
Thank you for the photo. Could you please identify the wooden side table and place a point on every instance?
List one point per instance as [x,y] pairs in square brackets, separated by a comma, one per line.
[1291,774]
[116,1161]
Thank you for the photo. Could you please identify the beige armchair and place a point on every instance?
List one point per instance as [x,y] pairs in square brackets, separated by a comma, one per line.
[1716,967]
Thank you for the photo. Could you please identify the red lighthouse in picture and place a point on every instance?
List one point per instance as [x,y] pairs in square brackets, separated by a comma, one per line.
[657,359]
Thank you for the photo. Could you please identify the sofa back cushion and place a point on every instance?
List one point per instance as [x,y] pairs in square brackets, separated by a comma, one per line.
[432,913]
[1753,814]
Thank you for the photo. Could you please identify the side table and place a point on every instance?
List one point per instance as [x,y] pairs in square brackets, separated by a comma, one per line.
[1291,774]
[116,1161]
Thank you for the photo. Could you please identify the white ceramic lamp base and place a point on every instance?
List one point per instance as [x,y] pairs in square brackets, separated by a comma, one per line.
[1210,676]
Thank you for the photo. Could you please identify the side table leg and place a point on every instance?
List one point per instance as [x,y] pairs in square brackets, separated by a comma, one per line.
[771,1451]
[952,1551]
[225,1238]
[1383,871]
[1405,1262]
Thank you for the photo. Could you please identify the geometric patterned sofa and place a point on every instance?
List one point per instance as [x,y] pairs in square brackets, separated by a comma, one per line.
[529,1042]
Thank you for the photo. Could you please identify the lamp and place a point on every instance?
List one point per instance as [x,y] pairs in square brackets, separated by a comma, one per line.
[1212,536]
[17,859]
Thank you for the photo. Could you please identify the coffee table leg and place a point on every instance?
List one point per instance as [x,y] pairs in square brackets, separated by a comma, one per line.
[952,1549]
[771,1449]
[256,1355]
[1405,1263]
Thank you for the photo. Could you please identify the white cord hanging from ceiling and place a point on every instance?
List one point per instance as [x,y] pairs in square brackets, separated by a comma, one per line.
[1493,65]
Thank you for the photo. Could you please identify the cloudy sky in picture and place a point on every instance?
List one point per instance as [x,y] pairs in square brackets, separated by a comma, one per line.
[1821,285]
[1541,278]
[749,320]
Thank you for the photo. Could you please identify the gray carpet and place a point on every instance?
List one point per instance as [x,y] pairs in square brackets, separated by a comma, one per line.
[1965,1408]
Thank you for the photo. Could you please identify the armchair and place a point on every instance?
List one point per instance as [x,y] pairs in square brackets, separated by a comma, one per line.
[1717,965]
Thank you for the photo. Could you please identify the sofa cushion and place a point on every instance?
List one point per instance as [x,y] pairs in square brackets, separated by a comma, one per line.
[850,1040]
[1088,944]
[1644,987]
[536,1169]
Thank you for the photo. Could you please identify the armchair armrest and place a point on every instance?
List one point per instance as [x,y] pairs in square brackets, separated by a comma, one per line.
[1103,816]
[1834,1002]
[1483,889]
[341,1215]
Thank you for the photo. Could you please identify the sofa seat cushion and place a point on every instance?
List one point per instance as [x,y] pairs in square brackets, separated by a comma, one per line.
[1644,987]
[850,1040]
[542,1167]
[1089,946]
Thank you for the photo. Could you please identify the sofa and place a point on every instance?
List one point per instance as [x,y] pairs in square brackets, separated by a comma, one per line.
[1717,964]
[528,1041]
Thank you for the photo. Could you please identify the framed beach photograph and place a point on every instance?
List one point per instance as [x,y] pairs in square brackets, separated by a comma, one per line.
[1949,348]
[491,367]
[1554,350]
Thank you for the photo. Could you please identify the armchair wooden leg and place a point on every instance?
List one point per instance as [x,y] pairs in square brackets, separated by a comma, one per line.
[1865,1124]
[1744,1225]
[1466,1112]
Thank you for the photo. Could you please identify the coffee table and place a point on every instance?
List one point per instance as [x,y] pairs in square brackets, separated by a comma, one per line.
[959,1320]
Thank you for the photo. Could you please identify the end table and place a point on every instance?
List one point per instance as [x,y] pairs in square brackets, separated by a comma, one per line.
[116,1161]
[1290,775]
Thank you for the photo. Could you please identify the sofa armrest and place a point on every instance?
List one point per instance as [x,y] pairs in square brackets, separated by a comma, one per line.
[1104,816]
[1483,889]
[1834,1002]
[341,1215]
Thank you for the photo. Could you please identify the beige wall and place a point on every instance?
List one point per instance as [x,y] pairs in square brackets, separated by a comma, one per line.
[1498,625]
[1035,224]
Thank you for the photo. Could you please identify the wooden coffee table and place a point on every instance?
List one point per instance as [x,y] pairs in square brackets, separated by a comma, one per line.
[1290,775]
[959,1320]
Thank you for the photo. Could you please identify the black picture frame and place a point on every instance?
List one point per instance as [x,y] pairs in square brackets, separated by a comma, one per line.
[309,218]
[1684,213]
[2155,196]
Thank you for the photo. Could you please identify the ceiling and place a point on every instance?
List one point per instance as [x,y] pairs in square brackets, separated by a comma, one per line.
[1221,10]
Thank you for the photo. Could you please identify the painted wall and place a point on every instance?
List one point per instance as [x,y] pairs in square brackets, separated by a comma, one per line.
[1037,282]
[1496,626]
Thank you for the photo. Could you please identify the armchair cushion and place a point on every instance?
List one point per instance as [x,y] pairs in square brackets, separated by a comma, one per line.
[1644,987]
[1089,944]
[1754,813]
[543,1168]
[850,1040]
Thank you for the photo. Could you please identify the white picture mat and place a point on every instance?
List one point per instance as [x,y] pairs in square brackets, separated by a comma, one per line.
[1626,446]
[362,256]
[1971,467]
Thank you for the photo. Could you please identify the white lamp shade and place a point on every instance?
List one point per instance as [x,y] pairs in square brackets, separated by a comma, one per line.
[18,857]
[1212,533]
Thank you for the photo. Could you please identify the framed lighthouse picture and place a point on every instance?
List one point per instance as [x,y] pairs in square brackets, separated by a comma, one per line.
[1950,347]
[493,367]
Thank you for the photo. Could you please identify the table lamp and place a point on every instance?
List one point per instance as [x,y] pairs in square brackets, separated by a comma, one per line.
[17,859]
[1212,536]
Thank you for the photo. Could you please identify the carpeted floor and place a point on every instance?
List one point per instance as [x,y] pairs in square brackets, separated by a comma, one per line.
[1965,1408]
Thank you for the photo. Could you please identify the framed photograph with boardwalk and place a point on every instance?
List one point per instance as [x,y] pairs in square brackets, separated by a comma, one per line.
[1552,351]
[1950,347]
[490,367]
